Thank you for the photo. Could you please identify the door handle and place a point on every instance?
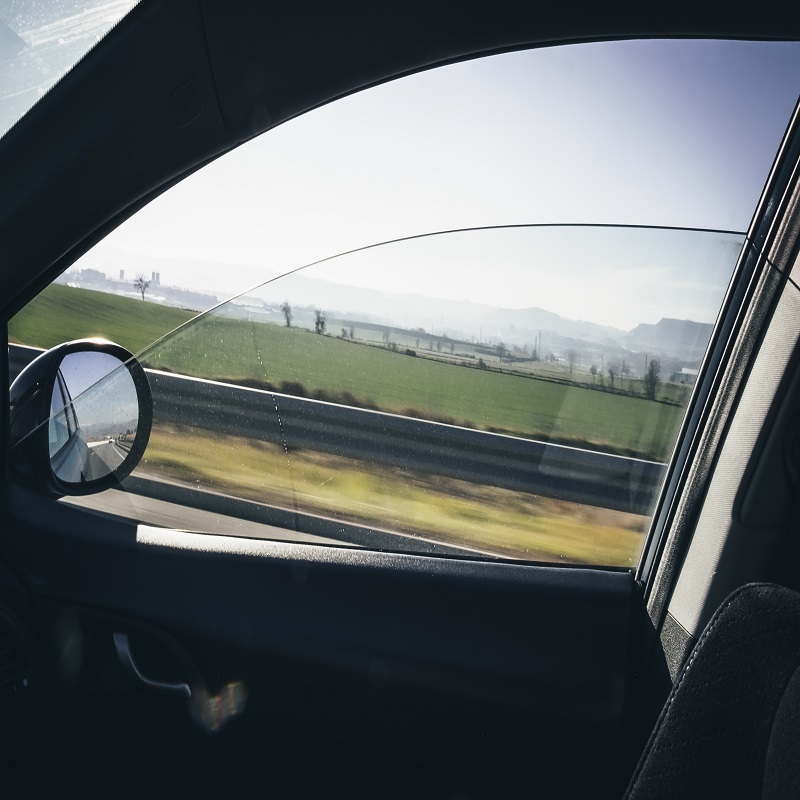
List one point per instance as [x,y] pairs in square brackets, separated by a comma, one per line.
[122,645]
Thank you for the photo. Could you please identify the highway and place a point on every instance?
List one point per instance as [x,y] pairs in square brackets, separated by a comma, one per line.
[107,455]
[557,471]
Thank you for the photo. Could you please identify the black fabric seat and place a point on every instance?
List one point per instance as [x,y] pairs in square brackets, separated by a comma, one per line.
[731,725]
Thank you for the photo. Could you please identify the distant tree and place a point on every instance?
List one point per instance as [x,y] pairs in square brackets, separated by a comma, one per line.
[141,284]
[501,351]
[452,348]
[344,333]
[352,333]
[593,370]
[287,313]
[439,345]
[651,378]
[572,357]
[320,321]
[611,370]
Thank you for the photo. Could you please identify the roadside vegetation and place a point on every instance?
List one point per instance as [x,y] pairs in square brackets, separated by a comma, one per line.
[499,521]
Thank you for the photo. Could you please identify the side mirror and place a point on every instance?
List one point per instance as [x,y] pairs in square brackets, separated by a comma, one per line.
[80,418]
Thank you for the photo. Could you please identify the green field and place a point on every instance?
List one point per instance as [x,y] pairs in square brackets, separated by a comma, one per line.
[62,313]
[291,359]
[300,362]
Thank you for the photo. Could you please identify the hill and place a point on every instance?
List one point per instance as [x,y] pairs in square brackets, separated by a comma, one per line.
[678,338]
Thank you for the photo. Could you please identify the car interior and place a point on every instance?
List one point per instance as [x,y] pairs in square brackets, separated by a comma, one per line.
[138,657]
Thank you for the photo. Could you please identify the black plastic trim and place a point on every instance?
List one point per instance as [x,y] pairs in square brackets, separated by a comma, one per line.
[764,231]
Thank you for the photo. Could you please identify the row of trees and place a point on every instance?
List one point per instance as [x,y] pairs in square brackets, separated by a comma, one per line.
[651,377]
[320,318]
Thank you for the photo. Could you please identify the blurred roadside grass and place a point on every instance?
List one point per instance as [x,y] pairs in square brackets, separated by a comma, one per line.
[499,521]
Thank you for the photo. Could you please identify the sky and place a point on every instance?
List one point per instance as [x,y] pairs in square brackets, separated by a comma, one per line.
[102,390]
[667,133]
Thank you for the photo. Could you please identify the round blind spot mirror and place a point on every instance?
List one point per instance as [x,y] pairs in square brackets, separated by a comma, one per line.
[80,418]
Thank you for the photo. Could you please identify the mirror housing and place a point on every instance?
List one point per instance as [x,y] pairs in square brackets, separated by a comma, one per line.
[81,415]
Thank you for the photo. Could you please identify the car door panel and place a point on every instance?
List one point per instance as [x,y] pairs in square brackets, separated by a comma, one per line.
[527,657]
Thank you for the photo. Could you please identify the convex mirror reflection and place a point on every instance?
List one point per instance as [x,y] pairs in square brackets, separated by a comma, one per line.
[94,415]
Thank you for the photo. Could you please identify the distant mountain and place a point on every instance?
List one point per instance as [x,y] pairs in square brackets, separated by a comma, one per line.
[681,340]
[535,319]
[678,338]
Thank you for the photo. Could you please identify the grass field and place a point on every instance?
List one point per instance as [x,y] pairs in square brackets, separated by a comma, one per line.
[500,521]
[242,351]
[62,313]
[254,352]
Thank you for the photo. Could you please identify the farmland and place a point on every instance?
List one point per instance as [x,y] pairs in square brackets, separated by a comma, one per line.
[297,361]
[551,406]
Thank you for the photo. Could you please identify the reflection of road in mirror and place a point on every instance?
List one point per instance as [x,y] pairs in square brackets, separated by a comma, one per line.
[100,406]
[109,454]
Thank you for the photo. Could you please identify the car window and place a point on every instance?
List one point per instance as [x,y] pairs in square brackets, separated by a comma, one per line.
[482,300]
[62,423]
[41,41]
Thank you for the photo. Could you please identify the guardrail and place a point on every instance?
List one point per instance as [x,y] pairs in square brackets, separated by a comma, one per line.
[557,471]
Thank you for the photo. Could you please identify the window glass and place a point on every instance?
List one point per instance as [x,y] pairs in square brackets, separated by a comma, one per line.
[343,395]
[41,41]
[506,374]
[61,427]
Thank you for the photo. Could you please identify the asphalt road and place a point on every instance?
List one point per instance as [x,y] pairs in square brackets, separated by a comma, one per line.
[109,455]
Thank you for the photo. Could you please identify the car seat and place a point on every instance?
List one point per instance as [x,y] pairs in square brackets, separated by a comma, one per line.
[731,725]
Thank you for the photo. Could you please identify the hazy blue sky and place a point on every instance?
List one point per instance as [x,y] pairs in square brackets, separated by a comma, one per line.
[679,133]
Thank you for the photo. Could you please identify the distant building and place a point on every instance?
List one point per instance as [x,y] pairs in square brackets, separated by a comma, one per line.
[122,274]
[686,375]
